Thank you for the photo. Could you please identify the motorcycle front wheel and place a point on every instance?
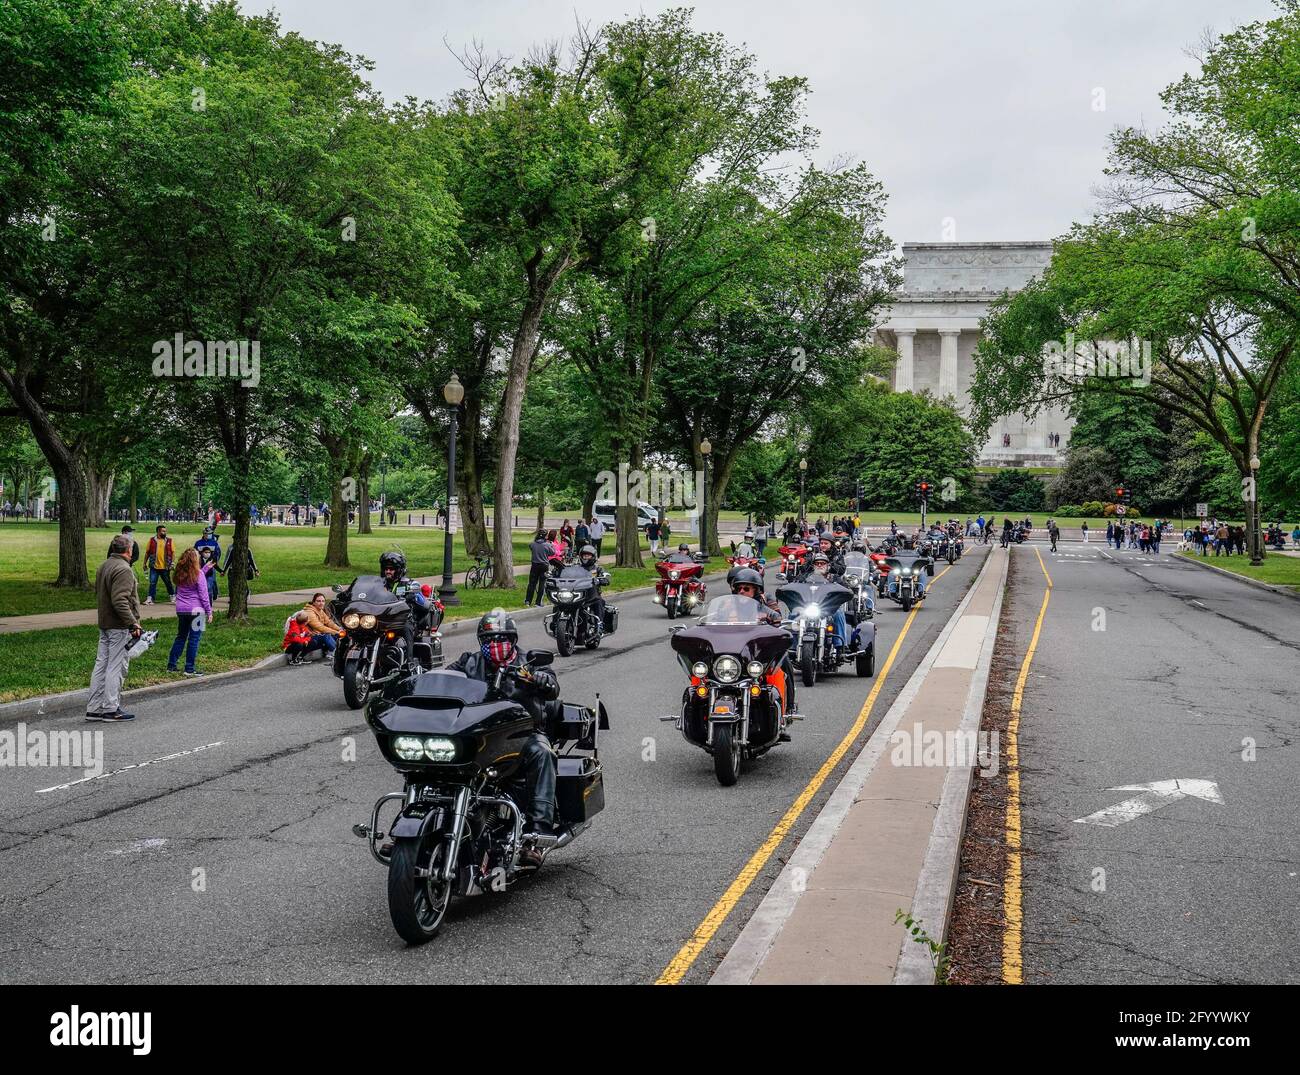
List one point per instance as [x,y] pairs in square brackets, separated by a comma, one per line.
[417,904]
[808,663]
[563,638]
[356,682]
[907,602]
[671,606]
[726,754]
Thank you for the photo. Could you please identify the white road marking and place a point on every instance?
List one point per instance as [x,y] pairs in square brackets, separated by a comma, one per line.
[128,768]
[1157,794]
[153,843]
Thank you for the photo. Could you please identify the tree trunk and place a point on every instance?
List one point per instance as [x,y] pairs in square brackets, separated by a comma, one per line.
[363,498]
[627,550]
[73,511]
[134,497]
[469,479]
[336,549]
[99,488]
[237,577]
[541,510]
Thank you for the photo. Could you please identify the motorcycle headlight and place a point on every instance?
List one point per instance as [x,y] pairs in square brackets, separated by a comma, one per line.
[727,669]
[368,621]
[565,595]
[755,668]
[700,668]
[674,574]
[907,571]
[438,748]
[811,612]
[408,747]
[351,621]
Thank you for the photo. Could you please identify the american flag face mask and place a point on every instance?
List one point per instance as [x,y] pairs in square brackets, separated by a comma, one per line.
[499,653]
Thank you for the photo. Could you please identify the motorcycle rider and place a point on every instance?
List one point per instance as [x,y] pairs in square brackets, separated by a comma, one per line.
[823,570]
[588,560]
[392,569]
[746,548]
[498,663]
[749,583]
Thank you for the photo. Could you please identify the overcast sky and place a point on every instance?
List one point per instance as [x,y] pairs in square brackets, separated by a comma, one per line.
[977,110]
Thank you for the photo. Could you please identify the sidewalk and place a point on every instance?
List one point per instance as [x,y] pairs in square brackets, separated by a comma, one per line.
[888,838]
[165,610]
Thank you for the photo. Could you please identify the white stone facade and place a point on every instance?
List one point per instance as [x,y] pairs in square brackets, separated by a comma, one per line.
[934,327]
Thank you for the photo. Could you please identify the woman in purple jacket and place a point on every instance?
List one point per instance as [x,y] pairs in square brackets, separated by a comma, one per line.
[192,605]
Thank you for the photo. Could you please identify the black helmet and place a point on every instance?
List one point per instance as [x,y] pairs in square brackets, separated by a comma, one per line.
[745,576]
[587,555]
[496,626]
[821,558]
[393,560]
[683,547]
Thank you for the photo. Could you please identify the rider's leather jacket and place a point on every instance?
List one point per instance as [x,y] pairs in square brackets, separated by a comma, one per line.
[540,687]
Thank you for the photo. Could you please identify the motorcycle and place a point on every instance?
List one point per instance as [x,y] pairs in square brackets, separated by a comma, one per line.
[575,622]
[739,563]
[374,649]
[812,608]
[681,585]
[458,829]
[736,707]
[793,558]
[905,575]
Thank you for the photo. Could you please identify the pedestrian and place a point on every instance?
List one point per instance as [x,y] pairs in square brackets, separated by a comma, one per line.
[652,531]
[209,549]
[760,536]
[1083,529]
[540,551]
[193,609]
[160,555]
[1053,532]
[117,602]
[596,534]
[135,548]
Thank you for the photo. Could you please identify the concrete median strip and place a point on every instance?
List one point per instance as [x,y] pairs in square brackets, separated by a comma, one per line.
[889,836]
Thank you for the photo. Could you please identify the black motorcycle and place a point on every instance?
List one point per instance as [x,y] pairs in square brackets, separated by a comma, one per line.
[374,651]
[812,606]
[459,823]
[903,580]
[575,621]
[736,705]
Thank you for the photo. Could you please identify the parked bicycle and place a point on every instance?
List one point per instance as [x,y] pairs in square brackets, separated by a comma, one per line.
[480,575]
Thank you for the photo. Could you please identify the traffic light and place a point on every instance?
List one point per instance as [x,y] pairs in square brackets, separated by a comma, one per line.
[923,490]
[1122,495]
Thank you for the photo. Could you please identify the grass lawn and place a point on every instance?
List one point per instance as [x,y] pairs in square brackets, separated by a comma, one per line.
[48,662]
[1275,570]
[289,557]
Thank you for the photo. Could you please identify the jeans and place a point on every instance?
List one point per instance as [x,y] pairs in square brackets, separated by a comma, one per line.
[188,637]
[154,575]
[325,643]
[841,632]
[536,584]
[110,672]
[539,769]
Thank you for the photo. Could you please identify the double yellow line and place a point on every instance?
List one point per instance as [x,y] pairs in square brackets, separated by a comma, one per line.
[705,931]
[1013,930]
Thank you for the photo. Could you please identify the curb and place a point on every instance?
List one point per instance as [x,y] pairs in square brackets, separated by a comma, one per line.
[937,881]
[57,704]
[760,933]
[1285,591]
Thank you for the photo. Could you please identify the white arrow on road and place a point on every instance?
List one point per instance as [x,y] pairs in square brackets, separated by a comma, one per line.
[1157,794]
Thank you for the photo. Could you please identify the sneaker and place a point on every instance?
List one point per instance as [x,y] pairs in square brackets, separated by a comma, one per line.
[119,715]
[148,600]
[94,716]
[172,668]
[194,674]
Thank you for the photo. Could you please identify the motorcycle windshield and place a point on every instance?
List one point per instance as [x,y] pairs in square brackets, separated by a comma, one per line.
[731,609]
[857,562]
[454,688]
[573,578]
[367,594]
[827,596]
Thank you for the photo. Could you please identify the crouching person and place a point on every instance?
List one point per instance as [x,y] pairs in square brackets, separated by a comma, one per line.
[297,639]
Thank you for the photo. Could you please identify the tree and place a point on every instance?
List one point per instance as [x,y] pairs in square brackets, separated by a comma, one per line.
[1016,490]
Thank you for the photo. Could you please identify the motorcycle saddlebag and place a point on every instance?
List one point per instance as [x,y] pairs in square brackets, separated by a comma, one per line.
[611,619]
[579,789]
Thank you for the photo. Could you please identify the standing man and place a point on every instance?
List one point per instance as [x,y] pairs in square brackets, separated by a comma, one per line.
[118,605]
[1083,529]
[160,555]
[652,531]
[1053,532]
[135,547]
[541,551]
[596,534]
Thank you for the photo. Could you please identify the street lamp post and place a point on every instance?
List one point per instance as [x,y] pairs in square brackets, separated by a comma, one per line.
[383,494]
[1256,557]
[705,449]
[803,469]
[453,392]
[199,482]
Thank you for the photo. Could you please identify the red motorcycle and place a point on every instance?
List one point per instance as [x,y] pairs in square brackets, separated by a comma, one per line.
[792,560]
[739,563]
[681,587]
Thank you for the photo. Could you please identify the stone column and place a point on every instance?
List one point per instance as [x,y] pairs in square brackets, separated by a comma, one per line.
[903,379]
[948,361]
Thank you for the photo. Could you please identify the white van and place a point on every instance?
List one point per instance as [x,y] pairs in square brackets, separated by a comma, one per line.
[645,513]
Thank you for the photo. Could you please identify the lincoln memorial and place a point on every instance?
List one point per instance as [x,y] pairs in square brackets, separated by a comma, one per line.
[934,327]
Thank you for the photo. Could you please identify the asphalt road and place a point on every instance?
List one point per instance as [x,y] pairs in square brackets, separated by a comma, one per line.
[98,881]
[1187,670]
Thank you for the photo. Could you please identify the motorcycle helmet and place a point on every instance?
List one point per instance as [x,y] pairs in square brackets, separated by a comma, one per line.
[395,563]
[746,576]
[749,535]
[820,558]
[587,556]
[683,547]
[498,637]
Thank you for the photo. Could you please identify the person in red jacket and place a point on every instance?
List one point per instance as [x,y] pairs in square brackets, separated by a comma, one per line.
[297,638]
[160,555]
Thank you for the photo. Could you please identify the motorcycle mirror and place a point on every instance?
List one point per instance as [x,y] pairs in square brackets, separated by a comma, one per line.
[337,587]
[540,658]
